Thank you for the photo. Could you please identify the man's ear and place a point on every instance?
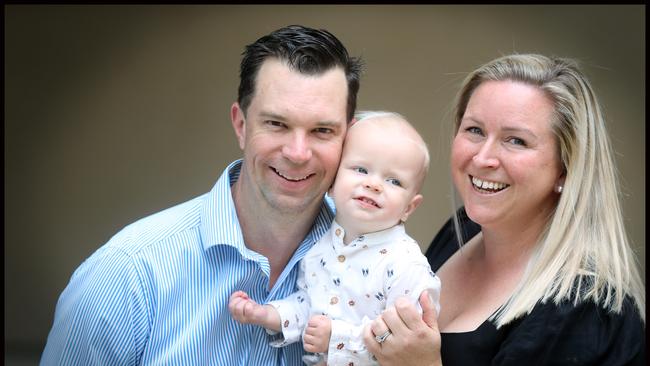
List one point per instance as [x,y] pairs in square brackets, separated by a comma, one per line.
[238,124]
[330,190]
[415,202]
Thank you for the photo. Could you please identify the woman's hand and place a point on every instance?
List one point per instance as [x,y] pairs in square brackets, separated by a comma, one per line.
[414,340]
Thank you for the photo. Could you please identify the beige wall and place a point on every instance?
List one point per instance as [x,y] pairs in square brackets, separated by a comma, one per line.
[115,112]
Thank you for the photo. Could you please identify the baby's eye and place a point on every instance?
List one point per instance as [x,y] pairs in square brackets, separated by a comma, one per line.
[395,182]
[361,170]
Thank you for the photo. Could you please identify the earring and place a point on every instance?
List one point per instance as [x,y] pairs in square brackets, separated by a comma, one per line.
[558,189]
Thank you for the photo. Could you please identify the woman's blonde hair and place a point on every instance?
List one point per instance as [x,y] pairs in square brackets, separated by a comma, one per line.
[583,253]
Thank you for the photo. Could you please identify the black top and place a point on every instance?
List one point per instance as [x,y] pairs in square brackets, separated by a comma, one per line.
[551,334]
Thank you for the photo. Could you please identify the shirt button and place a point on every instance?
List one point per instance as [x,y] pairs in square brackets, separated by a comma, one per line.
[341,258]
[338,232]
[334,300]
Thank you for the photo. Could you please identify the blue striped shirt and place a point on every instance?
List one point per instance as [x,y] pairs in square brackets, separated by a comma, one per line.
[157,293]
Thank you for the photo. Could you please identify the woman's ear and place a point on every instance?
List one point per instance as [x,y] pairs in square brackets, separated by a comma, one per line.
[559,185]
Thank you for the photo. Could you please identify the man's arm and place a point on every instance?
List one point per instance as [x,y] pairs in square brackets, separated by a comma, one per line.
[101,316]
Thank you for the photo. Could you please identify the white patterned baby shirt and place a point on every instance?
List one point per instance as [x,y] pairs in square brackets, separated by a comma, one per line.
[352,284]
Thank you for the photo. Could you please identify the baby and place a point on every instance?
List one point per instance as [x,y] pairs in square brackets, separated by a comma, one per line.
[366,260]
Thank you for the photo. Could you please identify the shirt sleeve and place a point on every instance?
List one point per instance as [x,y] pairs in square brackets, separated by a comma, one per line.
[294,313]
[585,334]
[346,344]
[101,316]
[410,279]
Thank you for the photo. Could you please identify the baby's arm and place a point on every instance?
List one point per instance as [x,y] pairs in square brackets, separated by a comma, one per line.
[317,334]
[411,281]
[346,343]
[245,310]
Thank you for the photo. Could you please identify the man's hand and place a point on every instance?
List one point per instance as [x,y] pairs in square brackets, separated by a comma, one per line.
[317,334]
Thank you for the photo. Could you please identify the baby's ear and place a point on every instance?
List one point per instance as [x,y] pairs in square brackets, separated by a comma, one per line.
[415,202]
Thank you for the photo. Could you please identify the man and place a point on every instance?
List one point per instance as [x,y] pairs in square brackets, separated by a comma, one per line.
[157,292]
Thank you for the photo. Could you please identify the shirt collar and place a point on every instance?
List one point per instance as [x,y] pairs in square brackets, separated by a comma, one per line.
[220,225]
[219,222]
[378,237]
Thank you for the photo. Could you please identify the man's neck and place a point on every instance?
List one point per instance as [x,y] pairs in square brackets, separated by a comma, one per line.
[275,235]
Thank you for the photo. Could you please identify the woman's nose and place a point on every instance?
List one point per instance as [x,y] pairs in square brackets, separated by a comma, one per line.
[487,155]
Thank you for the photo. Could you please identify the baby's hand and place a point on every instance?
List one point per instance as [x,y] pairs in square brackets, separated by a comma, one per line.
[317,334]
[245,310]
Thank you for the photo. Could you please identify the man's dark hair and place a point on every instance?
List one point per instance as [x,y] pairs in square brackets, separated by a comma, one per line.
[309,51]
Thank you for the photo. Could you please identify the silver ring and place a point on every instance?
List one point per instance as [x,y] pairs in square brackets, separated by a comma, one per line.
[381,338]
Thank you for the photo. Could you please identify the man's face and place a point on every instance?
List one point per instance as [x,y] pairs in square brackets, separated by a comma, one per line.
[291,137]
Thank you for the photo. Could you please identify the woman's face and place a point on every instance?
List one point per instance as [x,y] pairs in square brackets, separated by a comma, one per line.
[504,158]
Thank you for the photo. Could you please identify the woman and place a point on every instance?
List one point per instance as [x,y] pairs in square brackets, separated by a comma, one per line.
[550,279]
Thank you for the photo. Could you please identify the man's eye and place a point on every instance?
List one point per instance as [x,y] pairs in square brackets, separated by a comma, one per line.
[324,130]
[275,123]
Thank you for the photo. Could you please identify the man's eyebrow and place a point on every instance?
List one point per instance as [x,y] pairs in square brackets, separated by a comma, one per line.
[272,115]
[329,123]
[278,117]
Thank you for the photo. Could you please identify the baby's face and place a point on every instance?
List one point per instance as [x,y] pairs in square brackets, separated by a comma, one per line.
[378,180]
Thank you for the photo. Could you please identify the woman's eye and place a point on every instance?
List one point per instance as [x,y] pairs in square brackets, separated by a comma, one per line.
[474,130]
[517,141]
[395,182]
[361,170]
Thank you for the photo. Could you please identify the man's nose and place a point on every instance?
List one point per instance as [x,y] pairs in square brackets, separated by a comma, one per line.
[297,149]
